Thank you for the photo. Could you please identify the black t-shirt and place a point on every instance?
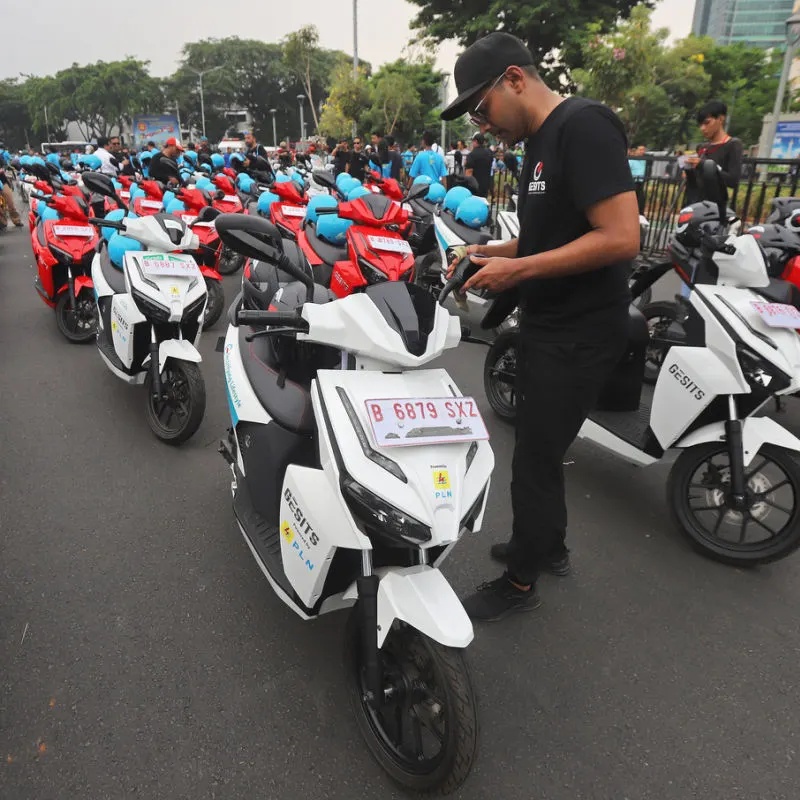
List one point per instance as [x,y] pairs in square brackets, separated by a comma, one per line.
[576,159]
[480,162]
[357,163]
[340,161]
[257,151]
[727,156]
[396,161]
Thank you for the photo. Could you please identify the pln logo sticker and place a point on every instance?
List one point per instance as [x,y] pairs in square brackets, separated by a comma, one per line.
[441,484]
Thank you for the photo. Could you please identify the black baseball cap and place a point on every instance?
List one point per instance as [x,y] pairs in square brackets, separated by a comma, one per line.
[480,64]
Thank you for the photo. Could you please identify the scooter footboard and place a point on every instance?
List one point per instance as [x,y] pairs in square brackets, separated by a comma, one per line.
[421,597]
[756,432]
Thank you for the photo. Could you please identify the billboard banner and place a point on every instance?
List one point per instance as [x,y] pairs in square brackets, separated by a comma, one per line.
[155,128]
[786,143]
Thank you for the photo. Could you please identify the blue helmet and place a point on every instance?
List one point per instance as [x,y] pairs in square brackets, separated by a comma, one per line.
[348,184]
[356,192]
[146,155]
[25,161]
[237,157]
[332,228]
[342,176]
[244,182]
[190,156]
[265,200]
[53,159]
[136,191]
[186,173]
[455,196]
[473,211]
[117,184]
[47,213]
[436,193]
[298,179]
[114,216]
[204,167]
[118,245]
[204,183]
[90,161]
[167,198]
[174,205]
[283,178]
[319,201]
[40,161]
[423,179]
[217,161]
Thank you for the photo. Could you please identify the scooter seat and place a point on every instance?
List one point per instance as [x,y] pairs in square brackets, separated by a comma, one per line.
[780,291]
[464,232]
[329,253]
[114,277]
[287,402]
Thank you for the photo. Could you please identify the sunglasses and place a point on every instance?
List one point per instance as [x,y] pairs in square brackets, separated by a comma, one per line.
[478,117]
[357,141]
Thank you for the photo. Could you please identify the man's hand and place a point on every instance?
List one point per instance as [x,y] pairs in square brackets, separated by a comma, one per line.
[495,274]
[692,161]
[470,250]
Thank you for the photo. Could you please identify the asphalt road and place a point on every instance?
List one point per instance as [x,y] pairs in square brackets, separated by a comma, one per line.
[143,654]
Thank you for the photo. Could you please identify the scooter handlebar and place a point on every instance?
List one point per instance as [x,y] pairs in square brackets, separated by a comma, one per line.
[106,223]
[465,269]
[273,318]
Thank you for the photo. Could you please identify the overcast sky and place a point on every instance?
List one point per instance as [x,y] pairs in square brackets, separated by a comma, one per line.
[85,31]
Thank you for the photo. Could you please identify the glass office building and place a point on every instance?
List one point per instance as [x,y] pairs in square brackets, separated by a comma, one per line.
[759,23]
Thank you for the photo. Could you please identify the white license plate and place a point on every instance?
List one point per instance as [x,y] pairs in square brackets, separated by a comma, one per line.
[778,315]
[293,211]
[406,421]
[151,204]
[125,195]
[73,230]
[169,266]
[231,198]
[387,243]
[188,218]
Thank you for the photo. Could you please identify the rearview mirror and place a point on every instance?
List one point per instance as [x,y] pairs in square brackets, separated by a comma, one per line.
[256,237]
[40,171]
[323,178]
[99,183]
[713,187]
[208,214]
[418,190]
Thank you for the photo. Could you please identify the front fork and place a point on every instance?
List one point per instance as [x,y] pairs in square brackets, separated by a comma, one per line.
[155,372]
[70,290]
[733,434]
[368,612]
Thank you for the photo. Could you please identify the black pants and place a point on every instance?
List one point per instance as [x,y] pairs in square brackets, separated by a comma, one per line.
[557,386]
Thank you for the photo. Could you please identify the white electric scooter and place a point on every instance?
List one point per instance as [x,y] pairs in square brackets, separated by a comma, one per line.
[150,316]
[355,473]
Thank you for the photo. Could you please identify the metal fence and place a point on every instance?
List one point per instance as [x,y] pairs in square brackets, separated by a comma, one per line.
[662,193]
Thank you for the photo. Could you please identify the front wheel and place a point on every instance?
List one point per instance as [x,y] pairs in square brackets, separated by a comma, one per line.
[767,529]
[215,303]
[176,414]
[500,375]
[425,735]
[77,321]
[229,261]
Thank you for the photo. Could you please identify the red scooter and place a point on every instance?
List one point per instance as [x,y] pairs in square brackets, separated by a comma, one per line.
[64,249]
[375,250]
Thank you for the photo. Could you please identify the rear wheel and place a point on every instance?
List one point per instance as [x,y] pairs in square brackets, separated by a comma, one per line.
[77,321]
[229,261]
[215,303]
[176,415]
[425,734]
[500,375]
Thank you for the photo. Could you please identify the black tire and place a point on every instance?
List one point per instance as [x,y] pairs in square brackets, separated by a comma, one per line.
[500,373]
[215,304]
[229,261]
[78,324]
[184,401]
[659,316]
[455,704]
[772,477]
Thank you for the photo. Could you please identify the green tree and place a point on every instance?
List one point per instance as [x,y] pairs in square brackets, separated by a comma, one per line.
[552,29]
[347,102]
[15,122]
[299,50]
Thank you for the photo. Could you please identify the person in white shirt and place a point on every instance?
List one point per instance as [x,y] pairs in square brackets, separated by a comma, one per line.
[437,148]
[108,164]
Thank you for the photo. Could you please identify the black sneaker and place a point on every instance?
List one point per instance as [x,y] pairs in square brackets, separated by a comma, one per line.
[557,566]
[499,598]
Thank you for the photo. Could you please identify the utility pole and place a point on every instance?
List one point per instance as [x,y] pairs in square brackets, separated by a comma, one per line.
[355,52]
[200,74]
[300,99]
[178,115]
[46,124]
[274,134]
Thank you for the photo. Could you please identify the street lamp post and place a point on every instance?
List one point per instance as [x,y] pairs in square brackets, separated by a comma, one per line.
[792,39]
[300,99]
[355,53]
[200,73]
[274,134]
[445,76]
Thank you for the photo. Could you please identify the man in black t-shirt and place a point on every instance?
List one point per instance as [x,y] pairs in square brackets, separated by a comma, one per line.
[567,272]
[170,150]
[358,160]
[341,157]
[479,164]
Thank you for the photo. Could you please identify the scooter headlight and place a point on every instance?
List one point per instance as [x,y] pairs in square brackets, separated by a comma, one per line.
[150,308]
[380,518]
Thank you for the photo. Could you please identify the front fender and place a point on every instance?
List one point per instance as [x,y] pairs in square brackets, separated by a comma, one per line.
[179,349]
[756,431]
[210,272]
[83,282]
[421,597]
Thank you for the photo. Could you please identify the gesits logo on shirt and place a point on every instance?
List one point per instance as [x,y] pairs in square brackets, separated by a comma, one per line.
[537,185]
